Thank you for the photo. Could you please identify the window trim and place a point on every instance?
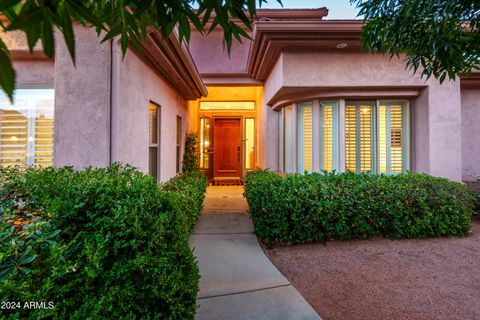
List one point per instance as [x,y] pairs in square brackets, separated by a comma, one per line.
[178,147]
[335,135]
[373,131]
[292,130]
[300,136]
[29,94]
[406,134]
[158,138]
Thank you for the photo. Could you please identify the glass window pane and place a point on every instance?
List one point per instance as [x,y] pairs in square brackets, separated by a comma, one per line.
[227,105]
[351,137]
[179,142]
[288,139]
[250,143]
[307,135]
[26,128]
[396,138]
[328,136]
[391,136]
[154,137]
[204,142]
[358,135]
[365,138]
[382,138]
[153,124]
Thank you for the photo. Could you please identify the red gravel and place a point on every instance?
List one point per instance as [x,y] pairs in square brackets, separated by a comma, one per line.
[387,279]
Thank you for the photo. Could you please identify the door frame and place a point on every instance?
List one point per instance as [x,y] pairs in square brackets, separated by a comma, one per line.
[239,114]
[241,142]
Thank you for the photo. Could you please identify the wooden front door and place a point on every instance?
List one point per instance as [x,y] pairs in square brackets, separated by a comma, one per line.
[227,138]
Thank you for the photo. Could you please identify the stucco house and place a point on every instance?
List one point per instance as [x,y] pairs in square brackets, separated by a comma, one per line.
[301,96]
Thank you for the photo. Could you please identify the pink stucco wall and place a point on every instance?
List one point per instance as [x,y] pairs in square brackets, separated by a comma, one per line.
[82,102]
[135,85]
[101,108]
[30,71]
[436,108]
[471,133]
[211,55]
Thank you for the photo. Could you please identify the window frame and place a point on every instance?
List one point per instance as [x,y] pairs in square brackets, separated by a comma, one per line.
[406,134]
[301,137]
[179,127]
[289,123]
[156,145]
[373,133]
[32,99]
[335,134]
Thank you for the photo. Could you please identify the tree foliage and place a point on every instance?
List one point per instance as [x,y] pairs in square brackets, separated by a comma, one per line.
[130,20]
[191,155]
[438,37]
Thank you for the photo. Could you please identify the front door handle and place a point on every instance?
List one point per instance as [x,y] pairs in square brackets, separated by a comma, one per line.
[238,153]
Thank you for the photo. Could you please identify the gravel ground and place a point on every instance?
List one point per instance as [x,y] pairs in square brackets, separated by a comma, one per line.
[387,279]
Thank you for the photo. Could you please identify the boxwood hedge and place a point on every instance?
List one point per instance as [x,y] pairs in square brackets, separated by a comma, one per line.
[317,207]
[98,244]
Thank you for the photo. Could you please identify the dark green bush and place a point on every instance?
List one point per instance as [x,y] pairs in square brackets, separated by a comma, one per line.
[190,190]
[122,252]
[317,207]
[190,162]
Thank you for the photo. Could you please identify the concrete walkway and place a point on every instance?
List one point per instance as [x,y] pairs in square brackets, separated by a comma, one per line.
[238,281]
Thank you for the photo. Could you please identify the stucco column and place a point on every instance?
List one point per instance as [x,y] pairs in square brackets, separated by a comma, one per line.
[445,130]
[82,102]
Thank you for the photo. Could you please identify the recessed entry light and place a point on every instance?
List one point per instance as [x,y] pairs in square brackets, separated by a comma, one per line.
[342,45]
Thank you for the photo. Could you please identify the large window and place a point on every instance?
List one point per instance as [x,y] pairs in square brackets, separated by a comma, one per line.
[288,138]
[178,143]
[377,137]
[311,137]
[26,128]
[154,138]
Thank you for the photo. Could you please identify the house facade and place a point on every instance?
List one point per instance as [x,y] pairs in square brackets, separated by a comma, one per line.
[300,96]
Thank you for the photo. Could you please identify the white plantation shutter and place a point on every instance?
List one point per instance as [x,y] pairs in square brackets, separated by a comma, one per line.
[305,137]
[328,136]
[26,128]
[392,137]
[351,137]
[359,136]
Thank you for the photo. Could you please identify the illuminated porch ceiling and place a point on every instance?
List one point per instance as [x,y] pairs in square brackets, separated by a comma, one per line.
[272,37]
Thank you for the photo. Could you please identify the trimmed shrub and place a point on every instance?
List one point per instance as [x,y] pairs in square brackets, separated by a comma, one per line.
[114,245]
[191,155]
[190,191]
[318,207]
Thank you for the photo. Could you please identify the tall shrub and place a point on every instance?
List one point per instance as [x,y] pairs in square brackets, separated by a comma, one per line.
[118,245]
[190,156]
[317,207]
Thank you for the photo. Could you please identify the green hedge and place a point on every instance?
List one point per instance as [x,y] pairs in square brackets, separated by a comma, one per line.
[99,244]
[189,189]
[317,207]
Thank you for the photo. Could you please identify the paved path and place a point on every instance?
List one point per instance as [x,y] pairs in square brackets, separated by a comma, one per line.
[238,281]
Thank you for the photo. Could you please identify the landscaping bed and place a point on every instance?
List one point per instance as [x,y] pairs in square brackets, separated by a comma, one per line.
[98,243]
[379,278]
[318,207]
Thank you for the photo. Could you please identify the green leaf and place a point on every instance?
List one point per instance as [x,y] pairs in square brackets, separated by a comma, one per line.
[7,75]
[7,4]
